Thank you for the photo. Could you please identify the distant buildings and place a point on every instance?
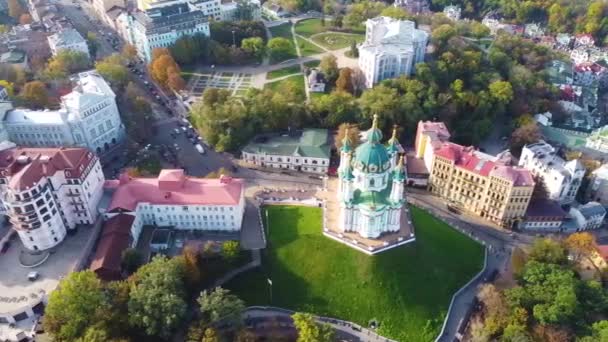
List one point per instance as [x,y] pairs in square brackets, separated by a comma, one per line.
[316,81]
[16,58]
[561,179]
[160,27]
[598,185]
[414,6]
[391,48]
[175,200]
[588,216]
[25,38]
[469,180]
[598,140]
[88,117]
[453,12]
[230,10]
[68,39]
[103,6]
[273,10]
[308,151]
[47,192]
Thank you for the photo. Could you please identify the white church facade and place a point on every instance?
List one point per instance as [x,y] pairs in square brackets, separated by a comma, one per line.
[371,186]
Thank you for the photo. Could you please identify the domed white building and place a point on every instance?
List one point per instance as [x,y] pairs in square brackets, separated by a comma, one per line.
[371,185]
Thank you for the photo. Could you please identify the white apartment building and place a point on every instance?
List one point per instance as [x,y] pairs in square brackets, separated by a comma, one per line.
[229,10]
[392,47]
[308,152]
[211,9]
[48,191]
[88,117]
[68,39]
[561,179]
[162,26]
[176,200]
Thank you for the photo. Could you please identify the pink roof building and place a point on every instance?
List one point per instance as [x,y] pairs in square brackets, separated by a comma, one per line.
[173,187]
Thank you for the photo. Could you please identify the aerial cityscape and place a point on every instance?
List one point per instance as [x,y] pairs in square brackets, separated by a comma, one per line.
[307,171]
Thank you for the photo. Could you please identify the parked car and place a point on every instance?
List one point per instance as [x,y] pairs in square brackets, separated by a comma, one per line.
[176,131]
[199,148]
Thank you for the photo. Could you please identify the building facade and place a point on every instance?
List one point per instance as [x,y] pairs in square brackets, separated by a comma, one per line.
[103,6]
[88,117]
[160,27]
[598,185]
[561,179]
[544,216]
[68,39]
[371,185]
[598,140]
[230,10]
[176,200]
[308,151]
[429,137]
[484,185]
[588,216]
[47,192]
[392,47]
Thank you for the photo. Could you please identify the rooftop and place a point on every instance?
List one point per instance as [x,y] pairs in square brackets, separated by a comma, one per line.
[25,167]
[13,57]
[173,187]
[591,209]
[386,34]
[311,143]
[115,238]
[68,36]
[544,208]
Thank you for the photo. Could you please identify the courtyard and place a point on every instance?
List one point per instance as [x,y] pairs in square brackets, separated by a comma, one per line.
[406,289]
[236,82]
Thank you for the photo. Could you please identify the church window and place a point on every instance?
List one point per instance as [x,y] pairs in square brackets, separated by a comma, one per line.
[371,182]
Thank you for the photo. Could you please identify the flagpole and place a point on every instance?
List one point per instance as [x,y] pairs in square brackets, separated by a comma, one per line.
[270,289]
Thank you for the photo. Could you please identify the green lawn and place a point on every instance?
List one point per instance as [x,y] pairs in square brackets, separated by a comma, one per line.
[284,31]
[307,48]
[296,81]
[283,72]
[336,40]
[309,27]
[312,64]
[407,289]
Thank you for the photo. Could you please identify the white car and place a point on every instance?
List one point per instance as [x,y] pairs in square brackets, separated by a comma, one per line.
[199,148]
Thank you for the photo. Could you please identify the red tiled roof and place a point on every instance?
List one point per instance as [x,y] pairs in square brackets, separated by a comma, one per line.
[169,189]
[115,238]
[24,167]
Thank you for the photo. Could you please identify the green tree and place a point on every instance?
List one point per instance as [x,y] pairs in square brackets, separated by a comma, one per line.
[210,336]
[231,250]
[279,48]
[131,259]
[329,68]
[518,260]
[221,304]
[501,91]
[361,11]
[93,43]
[254,46]
[74,306]
[157,300]
[311,331]
[112,68]
[335,108]
[396,13]
[354,51]
[549,251]
[95,333]
[34,95]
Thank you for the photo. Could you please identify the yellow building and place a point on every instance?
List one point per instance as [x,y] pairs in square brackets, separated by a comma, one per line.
[484,185]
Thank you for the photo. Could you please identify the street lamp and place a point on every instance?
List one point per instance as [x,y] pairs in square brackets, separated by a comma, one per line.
[233,39]
[270,288]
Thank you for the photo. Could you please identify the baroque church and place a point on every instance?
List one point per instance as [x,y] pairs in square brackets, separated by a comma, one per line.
[371,185]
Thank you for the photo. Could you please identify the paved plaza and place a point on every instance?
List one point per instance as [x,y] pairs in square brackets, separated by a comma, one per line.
[17,293]
[237,82]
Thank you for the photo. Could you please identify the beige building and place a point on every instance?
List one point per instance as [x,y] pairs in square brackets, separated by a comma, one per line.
[484,185]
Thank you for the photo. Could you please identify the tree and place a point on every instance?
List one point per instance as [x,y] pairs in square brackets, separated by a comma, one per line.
[396,13]
[25,19]
[354,51]
[245,335]
[582,245]
[231,250]
[95,333]
[361,11]
[310,331]
[35,95]
[549,251]
[131,259]
[112,69]
[345,80]
[129,53]
[210,336]
[518,260]
[64,63]
[254,46]
[192,271]
[335,108]
[164,70]
[329,67]
[279,48]
[353,135]
[92,43]
[8,86]
[157,300]
[175,81]
[15,9]
[524,135]
[501,91]
[75,305]
[221,304]
[495,307]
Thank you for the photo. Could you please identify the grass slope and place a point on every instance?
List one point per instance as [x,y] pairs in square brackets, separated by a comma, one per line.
[309,27]
[407,289]
[336,40]
[307,48]
[296,81]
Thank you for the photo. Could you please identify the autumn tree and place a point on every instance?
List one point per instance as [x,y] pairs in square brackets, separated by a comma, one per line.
[192,271]
[35,95]
[25,19]
[345,81]
[353,135]
[526,134]
[518,260]
[582,245]
[129,53]
[231,250]
[8,86]
[165,71]
[210,336]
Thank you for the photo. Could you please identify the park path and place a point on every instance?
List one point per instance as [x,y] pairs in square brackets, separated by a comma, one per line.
[255,262]
[299,53]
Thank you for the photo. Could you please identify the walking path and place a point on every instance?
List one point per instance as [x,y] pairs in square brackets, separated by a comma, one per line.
[255,262]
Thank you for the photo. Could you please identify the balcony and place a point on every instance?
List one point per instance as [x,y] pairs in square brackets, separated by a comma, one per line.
[71,194]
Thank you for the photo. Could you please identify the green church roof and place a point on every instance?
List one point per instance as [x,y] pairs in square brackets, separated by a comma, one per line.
[312,143]
[372,156]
